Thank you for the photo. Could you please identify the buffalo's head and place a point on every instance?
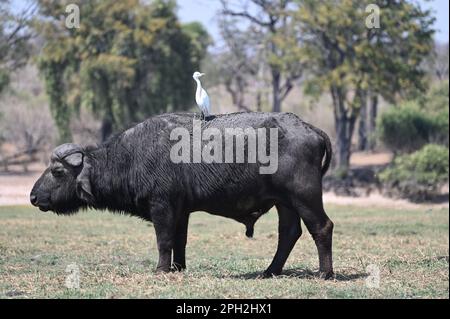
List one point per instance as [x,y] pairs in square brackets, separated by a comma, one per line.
[64,187]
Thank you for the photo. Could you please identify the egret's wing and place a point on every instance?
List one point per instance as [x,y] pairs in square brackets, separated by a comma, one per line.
[206,106]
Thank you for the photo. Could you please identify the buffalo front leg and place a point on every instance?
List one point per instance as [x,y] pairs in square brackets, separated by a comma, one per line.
[162,218]
[289,231]
[179,249]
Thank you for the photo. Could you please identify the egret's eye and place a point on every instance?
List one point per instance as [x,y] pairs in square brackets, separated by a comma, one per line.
[57,172]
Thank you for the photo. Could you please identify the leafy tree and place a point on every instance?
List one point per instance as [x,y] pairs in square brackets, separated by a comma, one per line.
[437,63]
[352,61]
[437,99]
[14,40]
[269,23]
[200,40]
[129,59]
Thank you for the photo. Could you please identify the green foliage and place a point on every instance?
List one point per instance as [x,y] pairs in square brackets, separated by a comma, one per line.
[419,173]
[405,128]
[128,60]
[54,84]
[14,45]
[352,61]
[200,40]
[344,53]
[413,124]
[437,105]
[437,100]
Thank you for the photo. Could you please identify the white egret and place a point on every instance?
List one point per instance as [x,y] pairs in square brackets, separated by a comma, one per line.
[201,97]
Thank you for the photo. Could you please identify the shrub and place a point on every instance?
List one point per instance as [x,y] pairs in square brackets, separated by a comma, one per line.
[437,105]
[419,175]
[405,128]
[436,101]
[411,125]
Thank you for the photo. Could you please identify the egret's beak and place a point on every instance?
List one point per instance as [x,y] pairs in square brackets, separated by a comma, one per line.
[202,74]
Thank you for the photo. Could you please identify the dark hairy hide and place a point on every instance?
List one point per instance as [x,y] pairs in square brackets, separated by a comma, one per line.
[133,173]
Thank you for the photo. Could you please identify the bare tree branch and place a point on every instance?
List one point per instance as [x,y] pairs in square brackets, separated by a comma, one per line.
[272,21]
[247,16]
[244,14]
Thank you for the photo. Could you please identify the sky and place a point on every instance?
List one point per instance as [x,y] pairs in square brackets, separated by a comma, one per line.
[205,11]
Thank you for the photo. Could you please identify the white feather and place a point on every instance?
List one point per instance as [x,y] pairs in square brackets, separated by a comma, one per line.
[201,96]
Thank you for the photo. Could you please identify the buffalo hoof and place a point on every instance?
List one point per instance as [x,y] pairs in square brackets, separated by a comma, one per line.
[177,268]
[249,231]
[270,274]
[326,275]
[162,270]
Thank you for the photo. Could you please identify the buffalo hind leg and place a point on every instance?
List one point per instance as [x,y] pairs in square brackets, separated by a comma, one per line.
[163,223]
[179,249]
[321,229]
[289,231]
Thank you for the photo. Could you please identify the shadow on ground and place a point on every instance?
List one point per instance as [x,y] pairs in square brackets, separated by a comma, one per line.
[304,274]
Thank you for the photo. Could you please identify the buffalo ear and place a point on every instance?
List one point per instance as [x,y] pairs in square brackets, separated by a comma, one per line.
[83,189]
[75,159]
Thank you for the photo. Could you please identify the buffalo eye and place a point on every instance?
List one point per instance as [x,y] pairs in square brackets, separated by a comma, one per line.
[58,172]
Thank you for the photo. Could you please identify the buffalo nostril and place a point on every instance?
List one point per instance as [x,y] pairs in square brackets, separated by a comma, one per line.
[33,199]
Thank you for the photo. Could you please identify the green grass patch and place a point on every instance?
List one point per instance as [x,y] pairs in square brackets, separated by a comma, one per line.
[117,255]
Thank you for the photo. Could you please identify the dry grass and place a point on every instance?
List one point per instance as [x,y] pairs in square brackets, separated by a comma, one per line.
[117,255]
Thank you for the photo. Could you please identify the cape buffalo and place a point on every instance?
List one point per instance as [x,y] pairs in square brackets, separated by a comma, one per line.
[133,173]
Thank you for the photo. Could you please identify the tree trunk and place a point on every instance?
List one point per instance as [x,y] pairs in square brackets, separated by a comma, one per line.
[344,129]
[60,110]
[363,129]
[373,113]
[342,155]
[258,101]
[345,126]
[276,78]
[106,129]
[105,104]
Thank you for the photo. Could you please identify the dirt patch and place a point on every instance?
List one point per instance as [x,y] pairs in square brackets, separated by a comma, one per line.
[377,200]
[15,185]
[371,159]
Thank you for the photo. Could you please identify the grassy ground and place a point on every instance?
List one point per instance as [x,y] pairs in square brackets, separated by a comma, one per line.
[116,256]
